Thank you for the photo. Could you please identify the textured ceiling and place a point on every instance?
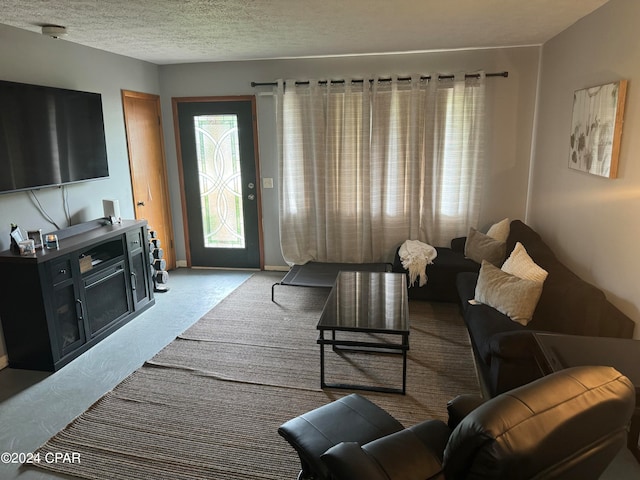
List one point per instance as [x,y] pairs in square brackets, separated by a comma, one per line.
[182,31]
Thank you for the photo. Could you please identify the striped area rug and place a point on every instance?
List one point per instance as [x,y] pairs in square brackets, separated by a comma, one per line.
[209,404]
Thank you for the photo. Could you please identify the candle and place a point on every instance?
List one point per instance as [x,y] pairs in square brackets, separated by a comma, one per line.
[51,241]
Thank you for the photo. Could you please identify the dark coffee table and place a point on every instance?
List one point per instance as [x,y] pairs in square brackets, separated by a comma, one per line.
[563,351]
[366,303]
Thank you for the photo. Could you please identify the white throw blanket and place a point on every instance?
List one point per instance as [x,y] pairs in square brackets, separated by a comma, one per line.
[415,257]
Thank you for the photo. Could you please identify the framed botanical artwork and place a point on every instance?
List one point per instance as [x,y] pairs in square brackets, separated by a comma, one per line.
[596,128]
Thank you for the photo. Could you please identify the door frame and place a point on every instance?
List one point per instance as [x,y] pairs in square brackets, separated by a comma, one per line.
[171,256]
[175,101]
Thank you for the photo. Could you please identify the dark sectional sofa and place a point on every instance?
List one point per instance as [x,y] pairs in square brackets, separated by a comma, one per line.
[504,349]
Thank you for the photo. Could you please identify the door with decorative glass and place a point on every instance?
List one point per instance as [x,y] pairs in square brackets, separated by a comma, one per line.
[217,153]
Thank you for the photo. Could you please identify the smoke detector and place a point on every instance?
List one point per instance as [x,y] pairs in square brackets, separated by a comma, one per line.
[54,31]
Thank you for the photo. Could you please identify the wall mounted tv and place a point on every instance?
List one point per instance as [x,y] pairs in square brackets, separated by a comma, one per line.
[49,137]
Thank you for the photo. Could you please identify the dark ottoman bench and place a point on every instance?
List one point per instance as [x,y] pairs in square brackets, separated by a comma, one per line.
[441,274]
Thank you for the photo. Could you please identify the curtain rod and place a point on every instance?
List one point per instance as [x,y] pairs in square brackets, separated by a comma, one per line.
[428,77]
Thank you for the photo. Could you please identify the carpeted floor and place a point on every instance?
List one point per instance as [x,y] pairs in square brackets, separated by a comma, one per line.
[209,404]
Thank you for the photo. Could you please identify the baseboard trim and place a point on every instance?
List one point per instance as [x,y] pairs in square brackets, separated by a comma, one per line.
[270,268]
[228,269]
[276,268]
[4,362]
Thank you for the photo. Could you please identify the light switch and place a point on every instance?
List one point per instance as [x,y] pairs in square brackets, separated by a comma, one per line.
[267,182]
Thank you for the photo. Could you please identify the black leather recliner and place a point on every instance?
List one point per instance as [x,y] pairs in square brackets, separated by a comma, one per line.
[568,425]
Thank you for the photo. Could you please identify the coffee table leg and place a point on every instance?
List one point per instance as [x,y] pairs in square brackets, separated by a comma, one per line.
[322,384]
[405,342]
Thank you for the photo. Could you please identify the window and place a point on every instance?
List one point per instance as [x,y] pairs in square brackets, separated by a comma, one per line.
[367,165]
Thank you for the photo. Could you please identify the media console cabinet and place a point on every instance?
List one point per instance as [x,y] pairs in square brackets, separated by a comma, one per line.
[58,303]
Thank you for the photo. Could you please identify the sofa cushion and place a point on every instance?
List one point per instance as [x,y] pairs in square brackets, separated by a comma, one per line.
[567,304]
[481,247]
[500,230]
[466,286]
[482,321]
[457,245]
[514,296]
[521,265]
[570,305]
[536,248]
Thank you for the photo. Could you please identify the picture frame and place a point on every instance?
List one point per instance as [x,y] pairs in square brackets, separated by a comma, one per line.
[596,128]
[36,236]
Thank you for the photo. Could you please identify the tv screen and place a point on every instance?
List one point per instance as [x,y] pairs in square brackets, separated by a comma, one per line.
[49,137]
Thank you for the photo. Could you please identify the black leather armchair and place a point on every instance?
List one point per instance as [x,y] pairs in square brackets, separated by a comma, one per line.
[568,425]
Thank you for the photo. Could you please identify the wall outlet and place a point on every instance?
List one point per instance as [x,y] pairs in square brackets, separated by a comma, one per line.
[267,182]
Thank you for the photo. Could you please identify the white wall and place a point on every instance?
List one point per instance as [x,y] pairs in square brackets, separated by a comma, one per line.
[592,223]
[32,58]
[510,112]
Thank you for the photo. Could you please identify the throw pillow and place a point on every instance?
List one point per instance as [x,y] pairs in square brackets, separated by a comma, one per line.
[500,230]
[522,265]
[513,296]
[479,247]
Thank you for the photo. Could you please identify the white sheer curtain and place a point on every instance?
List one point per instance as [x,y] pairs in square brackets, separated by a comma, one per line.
[365,166]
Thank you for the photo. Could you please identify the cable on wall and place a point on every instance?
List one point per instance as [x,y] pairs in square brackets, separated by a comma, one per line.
[41,209]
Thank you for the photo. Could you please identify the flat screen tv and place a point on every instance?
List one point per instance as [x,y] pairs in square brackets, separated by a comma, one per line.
[49,137]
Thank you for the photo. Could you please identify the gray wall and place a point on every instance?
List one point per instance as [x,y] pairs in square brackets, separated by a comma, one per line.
[32,58]
[510,111]
[592,223]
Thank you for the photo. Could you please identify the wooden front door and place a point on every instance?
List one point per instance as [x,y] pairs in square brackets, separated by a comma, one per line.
[145,142]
